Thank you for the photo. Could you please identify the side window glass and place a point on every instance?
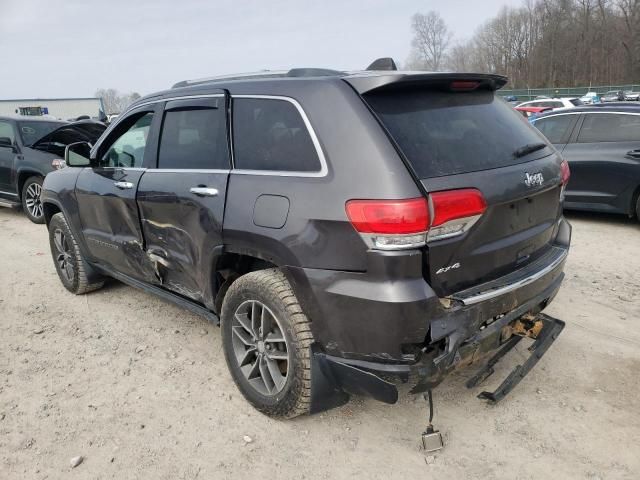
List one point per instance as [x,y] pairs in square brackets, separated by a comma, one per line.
[7,136]
[555,128]
[270,134]
[128,149]
[610,127]
[194,139]
[556,105]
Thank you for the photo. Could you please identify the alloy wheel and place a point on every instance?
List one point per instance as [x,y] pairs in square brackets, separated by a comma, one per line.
[260,347]
[32,200]
[63,255]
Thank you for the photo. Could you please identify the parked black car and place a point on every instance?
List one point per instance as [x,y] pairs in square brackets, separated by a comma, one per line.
[29,149]
[347,229]
[602,146]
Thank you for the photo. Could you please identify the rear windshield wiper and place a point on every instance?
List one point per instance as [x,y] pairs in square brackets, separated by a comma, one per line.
[528,148]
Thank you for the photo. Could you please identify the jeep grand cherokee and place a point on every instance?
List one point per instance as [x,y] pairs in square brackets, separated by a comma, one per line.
[345,228]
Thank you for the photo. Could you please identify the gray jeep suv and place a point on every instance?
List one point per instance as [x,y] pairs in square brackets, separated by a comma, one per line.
[347,230]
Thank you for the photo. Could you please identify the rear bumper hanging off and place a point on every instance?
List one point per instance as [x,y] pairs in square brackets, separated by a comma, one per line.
[334,379]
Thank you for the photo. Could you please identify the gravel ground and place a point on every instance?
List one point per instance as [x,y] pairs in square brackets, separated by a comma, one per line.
[139,388]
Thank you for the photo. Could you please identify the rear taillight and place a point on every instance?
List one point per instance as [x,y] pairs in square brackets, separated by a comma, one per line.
[464,85]
[58,163]
[400,224]
[455,212]
[390,224]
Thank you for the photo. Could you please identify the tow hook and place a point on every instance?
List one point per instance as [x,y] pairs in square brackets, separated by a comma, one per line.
[431,438]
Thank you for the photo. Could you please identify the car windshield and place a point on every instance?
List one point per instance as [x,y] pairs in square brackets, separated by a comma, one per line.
[31,132]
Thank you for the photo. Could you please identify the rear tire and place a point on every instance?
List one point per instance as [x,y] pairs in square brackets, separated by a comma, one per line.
[638,208]
[71,267]
[31,204]
[266,339]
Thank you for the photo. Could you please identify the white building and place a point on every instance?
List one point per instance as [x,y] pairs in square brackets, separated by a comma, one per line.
[61,108]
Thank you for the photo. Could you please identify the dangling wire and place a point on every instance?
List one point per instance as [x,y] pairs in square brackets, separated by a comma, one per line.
[429,398]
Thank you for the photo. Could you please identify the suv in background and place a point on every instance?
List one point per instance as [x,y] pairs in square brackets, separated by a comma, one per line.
[29,149]
[346,228]
[602,146]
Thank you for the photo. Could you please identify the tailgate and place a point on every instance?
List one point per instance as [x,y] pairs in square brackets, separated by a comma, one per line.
[466,141]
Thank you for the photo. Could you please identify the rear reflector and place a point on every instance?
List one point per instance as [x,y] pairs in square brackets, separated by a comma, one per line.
[389,216]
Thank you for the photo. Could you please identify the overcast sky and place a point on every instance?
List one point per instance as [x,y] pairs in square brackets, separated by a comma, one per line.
[67,48]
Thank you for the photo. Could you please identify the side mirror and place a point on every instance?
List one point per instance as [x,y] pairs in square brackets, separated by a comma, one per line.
[78,154]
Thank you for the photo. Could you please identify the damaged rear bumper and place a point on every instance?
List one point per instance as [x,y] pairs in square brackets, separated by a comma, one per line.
[466,340]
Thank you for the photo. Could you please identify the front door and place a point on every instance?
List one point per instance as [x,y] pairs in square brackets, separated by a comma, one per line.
[182,201]
[106,194]
[7,160]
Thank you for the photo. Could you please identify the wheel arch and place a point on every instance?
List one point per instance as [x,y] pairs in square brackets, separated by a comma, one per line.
[23,176]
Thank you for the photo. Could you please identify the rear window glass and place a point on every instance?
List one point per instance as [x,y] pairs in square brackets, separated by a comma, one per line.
[556,127]
[444,133]
[269,134]
[609,127]
[576,102]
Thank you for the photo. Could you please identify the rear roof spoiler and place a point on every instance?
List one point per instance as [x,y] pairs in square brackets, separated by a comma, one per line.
[368,83]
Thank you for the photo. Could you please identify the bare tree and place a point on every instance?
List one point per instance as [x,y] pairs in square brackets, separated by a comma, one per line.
[544,43]
[431,39]
[114,101]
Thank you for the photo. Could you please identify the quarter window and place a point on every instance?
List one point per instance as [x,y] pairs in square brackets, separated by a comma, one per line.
[270,134]
[128,149]
[556,127]
[194,139]
[610,127]
[6,131]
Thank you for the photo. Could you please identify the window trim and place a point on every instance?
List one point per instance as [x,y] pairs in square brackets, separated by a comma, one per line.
[324,170]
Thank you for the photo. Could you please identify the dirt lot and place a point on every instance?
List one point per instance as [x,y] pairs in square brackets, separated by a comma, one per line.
[139,387]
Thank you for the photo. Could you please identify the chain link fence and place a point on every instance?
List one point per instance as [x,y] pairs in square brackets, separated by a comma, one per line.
[525,94]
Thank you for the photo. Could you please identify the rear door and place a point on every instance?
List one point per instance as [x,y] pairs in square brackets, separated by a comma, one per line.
[182,200]
[605,161]
[458,140]
[106,195]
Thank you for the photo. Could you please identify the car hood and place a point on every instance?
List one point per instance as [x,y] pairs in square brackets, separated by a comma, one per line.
[83,131]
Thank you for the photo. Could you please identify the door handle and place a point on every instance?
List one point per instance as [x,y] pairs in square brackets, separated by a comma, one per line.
[634,154]
[204,191]
[123,185]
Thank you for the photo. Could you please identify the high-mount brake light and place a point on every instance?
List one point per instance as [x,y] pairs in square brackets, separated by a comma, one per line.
[402,224]
[464,85]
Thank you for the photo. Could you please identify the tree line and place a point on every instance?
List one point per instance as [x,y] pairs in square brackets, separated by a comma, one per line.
[543,43]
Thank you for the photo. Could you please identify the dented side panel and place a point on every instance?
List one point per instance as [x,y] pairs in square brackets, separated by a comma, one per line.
[182,229]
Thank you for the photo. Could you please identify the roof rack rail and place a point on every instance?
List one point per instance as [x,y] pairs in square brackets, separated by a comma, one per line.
[293,73]
[234,76]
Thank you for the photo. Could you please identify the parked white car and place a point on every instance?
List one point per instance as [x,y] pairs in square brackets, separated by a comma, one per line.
[590,98]
[553,103]
[632,96]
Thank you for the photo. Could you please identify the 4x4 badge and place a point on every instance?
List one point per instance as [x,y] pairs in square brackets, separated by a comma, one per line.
[531,180]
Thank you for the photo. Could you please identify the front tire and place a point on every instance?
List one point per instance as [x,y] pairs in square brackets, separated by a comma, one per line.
[72,269]
[266,339]
[31,204]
